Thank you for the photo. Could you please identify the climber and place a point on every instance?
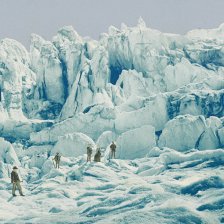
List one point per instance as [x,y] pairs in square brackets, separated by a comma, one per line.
[97,156]
[15,180]
[113,150]
[57,159]
[89,153]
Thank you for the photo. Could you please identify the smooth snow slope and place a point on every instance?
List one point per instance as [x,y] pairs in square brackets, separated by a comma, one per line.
[159,96]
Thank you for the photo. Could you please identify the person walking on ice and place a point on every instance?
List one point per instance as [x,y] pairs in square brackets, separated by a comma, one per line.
[113,150]
[97,157]
[15,180]
[89,153]
[57,159]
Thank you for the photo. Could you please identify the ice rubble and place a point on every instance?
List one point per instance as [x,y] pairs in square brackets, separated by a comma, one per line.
[159,96]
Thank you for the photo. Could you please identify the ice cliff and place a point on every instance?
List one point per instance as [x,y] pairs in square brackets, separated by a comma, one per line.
[131,77]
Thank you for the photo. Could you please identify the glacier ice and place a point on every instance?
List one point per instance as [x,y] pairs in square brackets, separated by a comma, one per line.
[45,62]
[106,138]
[159,96]
[72,145]
[136,142]
[183,132]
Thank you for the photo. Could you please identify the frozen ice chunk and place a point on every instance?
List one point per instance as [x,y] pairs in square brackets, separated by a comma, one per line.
[221,136]
[136,143]
[7,153]
[183,132]
[106,138]
[153,112]
[72,145]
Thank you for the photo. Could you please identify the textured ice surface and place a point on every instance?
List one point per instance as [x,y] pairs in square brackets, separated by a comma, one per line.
[94,192]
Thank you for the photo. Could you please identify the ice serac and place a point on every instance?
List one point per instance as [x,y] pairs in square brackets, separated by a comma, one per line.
[196,99]
[20,130]
[210,139]
[139,60]
[221,136]
[90,84]
[149,111]
[7,153]
[166,61]
[81,94]
[71,53]
[183,132]
[133,83]
[45,62]
[105,139]
[72,145]
[8,158]
[93,124]
[136,143]
[17,87]
[17,80]
[99,66]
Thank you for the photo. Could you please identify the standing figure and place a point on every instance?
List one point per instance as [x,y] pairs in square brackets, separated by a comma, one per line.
[113,150]
[97,156]
[15,180]
[57,159]
[89,153]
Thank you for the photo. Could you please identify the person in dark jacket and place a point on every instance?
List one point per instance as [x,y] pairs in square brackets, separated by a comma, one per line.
[57,159]
[97,156]
[15,180]
[113,150]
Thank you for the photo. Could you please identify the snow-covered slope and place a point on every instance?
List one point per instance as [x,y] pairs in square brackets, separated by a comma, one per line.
[168,188]
[159,96]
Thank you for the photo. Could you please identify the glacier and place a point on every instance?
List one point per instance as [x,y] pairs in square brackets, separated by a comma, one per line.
[159,96]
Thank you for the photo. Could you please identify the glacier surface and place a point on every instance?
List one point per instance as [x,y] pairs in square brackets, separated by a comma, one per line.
[159,96]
